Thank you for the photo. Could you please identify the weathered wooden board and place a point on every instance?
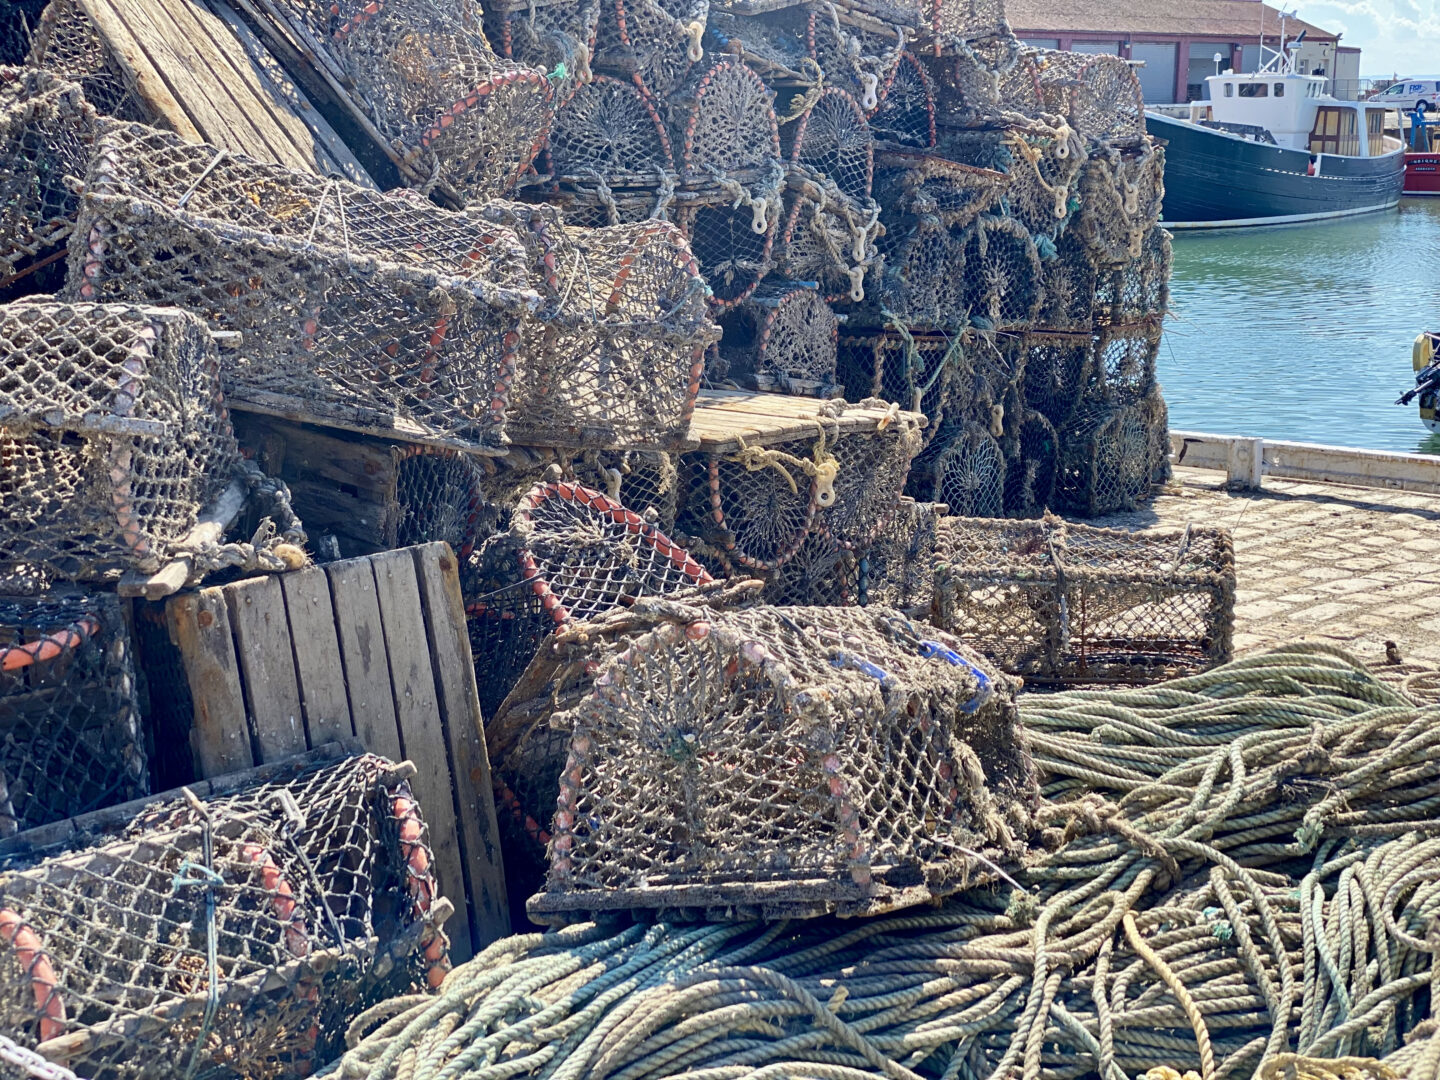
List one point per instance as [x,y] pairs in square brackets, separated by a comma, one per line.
[374,647]
[724,417]
[204,74]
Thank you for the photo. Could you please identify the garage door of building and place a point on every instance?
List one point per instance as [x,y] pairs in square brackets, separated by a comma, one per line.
[1157,77]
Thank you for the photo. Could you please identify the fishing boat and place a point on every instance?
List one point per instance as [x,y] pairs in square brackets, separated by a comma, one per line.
[1271,147]
[1422,157]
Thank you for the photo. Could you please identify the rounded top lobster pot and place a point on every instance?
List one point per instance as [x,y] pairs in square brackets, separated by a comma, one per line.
[611,129]
[779,762]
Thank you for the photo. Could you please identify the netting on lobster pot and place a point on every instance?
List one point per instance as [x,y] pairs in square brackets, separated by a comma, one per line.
[822,572]
[1044,177]
[645,481]
[911,370]
[70,738]
[18,19]
[1032,462]
[871,468]
[782,338]
[47,133]
[831,242]
[832,138]
[438,494]
[113,435]
[785,761]
[1122,362]
[240,935]
[725,126]
[775,42]
[659,40]
[1139,289]
[910,186]
[504,619]
[970,20]
[424,73]
[856,55]
[733,245]
[67,44]
[967,92]
[1098,94]
[1065,603]
[1071,283]
[1113,456]
[558,37]
[906,113]
[964,469]
[1055,368]
[1002,274]
[1120,196]
[897,568]
[926,280]
[612,129]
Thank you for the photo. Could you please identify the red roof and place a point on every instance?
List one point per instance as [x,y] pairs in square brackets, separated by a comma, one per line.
[1235,19]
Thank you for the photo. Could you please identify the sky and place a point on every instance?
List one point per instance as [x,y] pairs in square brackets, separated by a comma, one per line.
[1396,37]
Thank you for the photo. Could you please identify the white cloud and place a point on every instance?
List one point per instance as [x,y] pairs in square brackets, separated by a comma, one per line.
[1395,36]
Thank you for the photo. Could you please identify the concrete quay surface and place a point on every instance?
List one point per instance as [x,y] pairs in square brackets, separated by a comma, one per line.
[1350,566]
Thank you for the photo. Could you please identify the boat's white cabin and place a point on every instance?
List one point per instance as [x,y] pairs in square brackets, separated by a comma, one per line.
[1298,113]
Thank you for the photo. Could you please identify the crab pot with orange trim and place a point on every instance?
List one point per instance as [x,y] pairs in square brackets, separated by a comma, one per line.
[611,128]
[784,762]
[545,36]
[613,356]
[733,244]
[657,40]
[70,736]
[336,330]
[103,944]
[114,435]
[782,339]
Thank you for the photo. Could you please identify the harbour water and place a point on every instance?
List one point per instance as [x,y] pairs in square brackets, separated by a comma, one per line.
[1304,332]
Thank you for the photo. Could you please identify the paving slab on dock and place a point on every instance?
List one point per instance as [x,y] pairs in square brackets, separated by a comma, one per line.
[1351,566]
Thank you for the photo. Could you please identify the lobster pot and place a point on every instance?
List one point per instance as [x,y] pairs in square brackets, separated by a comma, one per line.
[906,113]
[966,89]
[68,709]
[47,132]
[972,20]
[1139,289]
[853,56]
[733,245]
[1122,362]
[658,40]
[1032,464]
[505,622]
[1120,196]
[66,44]
[332,336]
[914,372]
[910,186]
[1002,275]
[829,242]
[439,494]
[964,468]
[1056,365]
[1113,456]
[1071,285]
[1062,603]
[781,762]
[614,355]
[318,894]
[545,36]
[724,124]
[822,573]
[871,468]
[646,481]
[1045,171]
[896,569]
[782,339]
[1098,94]
[609,128]
[430,82]
[927,282]
[113,435]
[585,207]
[832,140]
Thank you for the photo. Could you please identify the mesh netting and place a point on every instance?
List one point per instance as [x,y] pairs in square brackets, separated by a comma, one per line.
[725,123]
[1068,603]
[733,244]
[965,470]
[355,331]
[504,620]
[870,475]
[113,435]
[1071,282]
[70,739]
[610,129]
[833,139]
[829,242]
[1122,363]
[316,897]
[1032,463]
[1120,195]
[67,44]
[897,568]
[914,186]
[820,573]
[658,40]
[1098,94]
[1044,174]
[557,37]
[794,759]
[970,20]
[1138,289]
[424,73]
[913,371]
[47,133]
[1002,275]
[642,480]
[615,353]
[856,55]
[1055,365]
[439,495]
[782,338]
[906,113]
[926,281]
[1113,456]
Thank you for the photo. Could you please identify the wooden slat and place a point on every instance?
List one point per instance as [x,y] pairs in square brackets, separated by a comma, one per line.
[200,627]
[362,650]
[317,655]
[364,421]
[438,573]
[766,419]
[267,659]
[421,733]
[149,84]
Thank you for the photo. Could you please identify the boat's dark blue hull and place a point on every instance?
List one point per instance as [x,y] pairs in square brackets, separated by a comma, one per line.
[1213,179]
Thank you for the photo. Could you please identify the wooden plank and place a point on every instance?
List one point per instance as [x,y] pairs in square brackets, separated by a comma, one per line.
[723,417]
[421,733]
[364,421]
[362,651]
[200,626]
[130,56]
[267,658]
[487,908]
[317,655]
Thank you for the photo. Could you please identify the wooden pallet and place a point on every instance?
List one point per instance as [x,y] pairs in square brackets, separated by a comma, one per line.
[374,648]
[200,69]
[724,417]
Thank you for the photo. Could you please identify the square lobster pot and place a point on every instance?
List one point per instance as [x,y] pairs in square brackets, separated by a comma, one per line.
[1113,456]
[113,435]
[896,569]
[70,738]
[614,355]
[779,762]
[316,894]
[1063,603]
[47,132]
[337,335]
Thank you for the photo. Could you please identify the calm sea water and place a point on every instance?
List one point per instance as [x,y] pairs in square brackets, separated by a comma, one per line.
[1304,332]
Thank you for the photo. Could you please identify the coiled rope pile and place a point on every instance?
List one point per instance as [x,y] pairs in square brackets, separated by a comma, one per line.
[1230,869]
